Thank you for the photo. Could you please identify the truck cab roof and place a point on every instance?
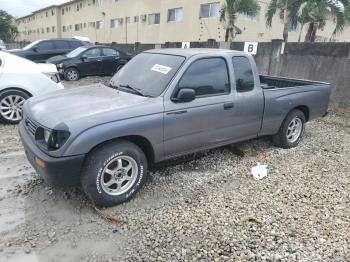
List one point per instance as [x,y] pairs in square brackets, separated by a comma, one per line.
[188,52]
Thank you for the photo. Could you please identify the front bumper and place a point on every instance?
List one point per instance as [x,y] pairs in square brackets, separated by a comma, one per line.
[63,171]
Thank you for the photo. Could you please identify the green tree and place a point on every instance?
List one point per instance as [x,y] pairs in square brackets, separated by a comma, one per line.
[8,30]
[287,10]
[230,10]
[313,13]
[318,12]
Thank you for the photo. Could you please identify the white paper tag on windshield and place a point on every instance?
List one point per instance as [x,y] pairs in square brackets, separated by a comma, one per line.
[161,69]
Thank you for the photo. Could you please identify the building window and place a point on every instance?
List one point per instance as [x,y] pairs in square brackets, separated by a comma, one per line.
[154,19]
[99,24]
[84,25]
[114,23]
[92,24]
[99,2]
[77,8]
[62,11]
[52,12]
[136,19]
[47,29]
[291,27]
[209,10]
[53,29]
[255,18]
[64,28]
[175,14]
[47,14]
[77,27]
[42,30]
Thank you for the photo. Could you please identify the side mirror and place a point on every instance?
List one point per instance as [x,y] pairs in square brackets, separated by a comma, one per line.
[83,58]
[185,95]
[35,49]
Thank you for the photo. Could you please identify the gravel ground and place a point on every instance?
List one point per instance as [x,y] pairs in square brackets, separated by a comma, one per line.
[203,207]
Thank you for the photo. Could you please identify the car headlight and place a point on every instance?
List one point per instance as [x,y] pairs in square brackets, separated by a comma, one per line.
[54,77]
[51,139]
[59,65]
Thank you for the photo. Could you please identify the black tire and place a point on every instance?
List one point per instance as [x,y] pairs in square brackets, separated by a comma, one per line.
[93,173]
[9,94]
[71,74]
[281,138]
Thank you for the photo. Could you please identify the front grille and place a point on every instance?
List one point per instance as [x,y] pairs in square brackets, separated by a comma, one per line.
[31,126]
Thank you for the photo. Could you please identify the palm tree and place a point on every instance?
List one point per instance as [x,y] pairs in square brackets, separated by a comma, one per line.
[318,11]
[312,12]
[230,10]
[287,11]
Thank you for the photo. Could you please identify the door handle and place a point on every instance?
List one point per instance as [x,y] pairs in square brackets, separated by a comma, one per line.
[228,106]
[177,112]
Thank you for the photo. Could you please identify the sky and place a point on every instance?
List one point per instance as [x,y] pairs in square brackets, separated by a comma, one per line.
[19,8]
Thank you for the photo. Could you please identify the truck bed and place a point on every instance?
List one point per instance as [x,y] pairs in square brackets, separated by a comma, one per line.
[272,82]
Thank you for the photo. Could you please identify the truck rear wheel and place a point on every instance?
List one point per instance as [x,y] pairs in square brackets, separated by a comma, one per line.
[291,131]
[114,172]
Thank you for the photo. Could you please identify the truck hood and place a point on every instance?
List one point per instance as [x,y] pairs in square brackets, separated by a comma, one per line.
[86,106]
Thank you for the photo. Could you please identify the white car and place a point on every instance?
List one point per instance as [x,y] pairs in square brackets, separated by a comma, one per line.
[21,79]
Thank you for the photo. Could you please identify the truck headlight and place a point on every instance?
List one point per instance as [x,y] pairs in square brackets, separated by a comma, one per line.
[52,139]
[47,134]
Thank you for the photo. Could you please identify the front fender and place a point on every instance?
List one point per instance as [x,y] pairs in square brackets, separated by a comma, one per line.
[149,127]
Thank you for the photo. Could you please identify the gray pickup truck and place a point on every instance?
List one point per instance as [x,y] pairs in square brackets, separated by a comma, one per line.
[162,104]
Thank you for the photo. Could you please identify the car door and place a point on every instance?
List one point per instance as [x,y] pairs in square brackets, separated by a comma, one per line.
[42,51]
[249,99]
[205,121]
[110,61]
[91,62]
[61,47]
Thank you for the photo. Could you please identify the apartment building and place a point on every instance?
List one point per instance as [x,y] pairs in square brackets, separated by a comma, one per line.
[152,21]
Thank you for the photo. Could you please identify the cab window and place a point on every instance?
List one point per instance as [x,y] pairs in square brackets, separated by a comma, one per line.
[92,53]
[243,74]
[110,52]
[208,76]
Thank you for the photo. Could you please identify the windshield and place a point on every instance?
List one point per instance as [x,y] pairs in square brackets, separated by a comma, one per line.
[148,73]
[31,45]
[76,52]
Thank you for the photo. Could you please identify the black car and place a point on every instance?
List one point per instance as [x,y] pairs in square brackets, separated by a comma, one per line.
[41,50]
[89,60]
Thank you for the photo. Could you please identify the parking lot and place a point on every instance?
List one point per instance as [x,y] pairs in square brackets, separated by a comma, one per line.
[202,207]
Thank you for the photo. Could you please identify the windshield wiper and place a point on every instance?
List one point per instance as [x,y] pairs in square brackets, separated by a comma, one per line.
[135,90]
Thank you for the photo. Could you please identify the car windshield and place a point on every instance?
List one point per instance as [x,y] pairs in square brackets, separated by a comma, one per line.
[76,52]
[27,47]
[148,73]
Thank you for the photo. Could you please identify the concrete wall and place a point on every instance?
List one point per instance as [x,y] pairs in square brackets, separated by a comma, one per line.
[328,62]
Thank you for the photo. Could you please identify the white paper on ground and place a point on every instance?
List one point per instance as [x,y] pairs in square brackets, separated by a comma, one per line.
[259,171]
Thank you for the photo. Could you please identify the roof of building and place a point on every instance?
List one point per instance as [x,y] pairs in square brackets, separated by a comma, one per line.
[48,7]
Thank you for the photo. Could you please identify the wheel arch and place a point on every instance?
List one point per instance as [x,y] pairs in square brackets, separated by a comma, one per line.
[142,142]
[305,110]
[16,88]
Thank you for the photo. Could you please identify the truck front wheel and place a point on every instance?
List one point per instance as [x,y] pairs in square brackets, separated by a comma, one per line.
[291,131]
[114,172]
